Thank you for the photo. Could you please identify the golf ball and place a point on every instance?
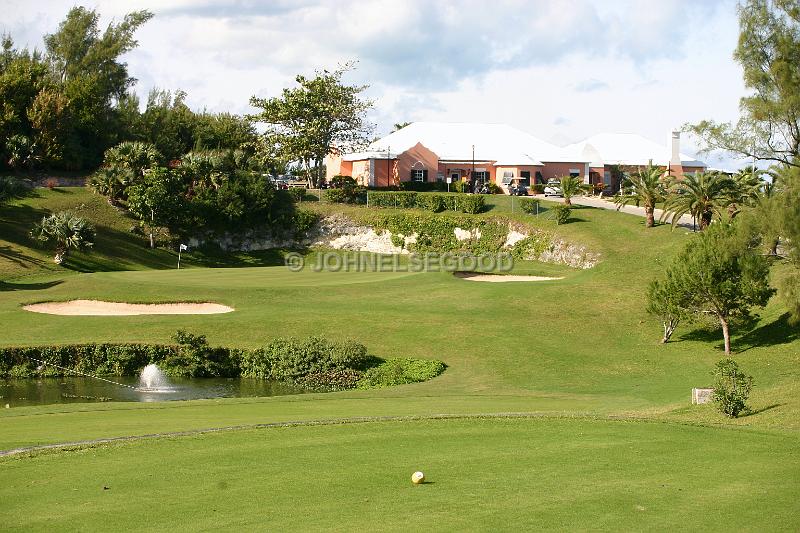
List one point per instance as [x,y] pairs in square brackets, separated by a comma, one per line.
[417,478]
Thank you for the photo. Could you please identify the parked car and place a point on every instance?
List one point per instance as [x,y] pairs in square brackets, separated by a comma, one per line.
[553,188]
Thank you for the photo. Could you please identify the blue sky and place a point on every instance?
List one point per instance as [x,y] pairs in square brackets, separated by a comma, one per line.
[561,70]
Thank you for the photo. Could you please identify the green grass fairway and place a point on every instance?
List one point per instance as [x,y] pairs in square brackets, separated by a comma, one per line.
[511,475]
[609,441]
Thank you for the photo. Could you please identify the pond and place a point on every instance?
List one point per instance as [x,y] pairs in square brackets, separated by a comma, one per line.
[43,391]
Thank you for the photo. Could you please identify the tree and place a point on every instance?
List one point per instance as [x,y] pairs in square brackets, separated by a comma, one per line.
[86,65]
[731,388]
[720,274]
[65,231]
[702,195]
[110,182]
[158,201]
[745,191]
[769,52]
[322,116]
[666,301]
[400,125]
[136,157]
[571,186]
[647,186]
[787,214]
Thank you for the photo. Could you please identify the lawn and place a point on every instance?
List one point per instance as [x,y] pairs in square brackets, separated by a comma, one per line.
[483,474]
[613,445]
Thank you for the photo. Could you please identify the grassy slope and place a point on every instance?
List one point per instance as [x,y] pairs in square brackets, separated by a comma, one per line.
[581,345]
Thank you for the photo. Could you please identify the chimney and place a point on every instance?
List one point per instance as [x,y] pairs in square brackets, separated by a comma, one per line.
[675,148]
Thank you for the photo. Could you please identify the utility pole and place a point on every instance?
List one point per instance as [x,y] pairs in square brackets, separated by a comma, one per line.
[472,176]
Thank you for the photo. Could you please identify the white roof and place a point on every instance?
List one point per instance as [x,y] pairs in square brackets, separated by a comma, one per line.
[626,149]
[454,141]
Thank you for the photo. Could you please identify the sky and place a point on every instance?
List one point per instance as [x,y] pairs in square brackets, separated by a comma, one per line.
[561,70]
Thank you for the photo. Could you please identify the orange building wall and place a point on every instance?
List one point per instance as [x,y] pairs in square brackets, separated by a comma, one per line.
[333,167]
[417,157]
[559,170]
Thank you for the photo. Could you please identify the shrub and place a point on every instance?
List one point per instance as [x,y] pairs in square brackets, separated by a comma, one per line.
[397,199]
[494,188]
[343,181]
[347,195]
[537,188]
[561,213]
[731,388]
[431,202]
[427,186]
[298,194]
[470,203]
[337,196]
[291,359]
[529,205]
[400,371]
[195,358]
[331,380]
[459,186]
[302,221]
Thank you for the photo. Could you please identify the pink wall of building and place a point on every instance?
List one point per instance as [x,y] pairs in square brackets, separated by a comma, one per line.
[417,157]
[559,170]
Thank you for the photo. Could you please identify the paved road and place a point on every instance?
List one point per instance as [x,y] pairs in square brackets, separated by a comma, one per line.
[593,201]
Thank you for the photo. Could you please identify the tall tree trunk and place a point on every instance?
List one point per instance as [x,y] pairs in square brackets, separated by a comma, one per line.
[726,334]
[651,218]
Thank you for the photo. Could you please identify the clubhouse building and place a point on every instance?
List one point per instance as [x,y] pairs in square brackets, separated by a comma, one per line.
[498,153]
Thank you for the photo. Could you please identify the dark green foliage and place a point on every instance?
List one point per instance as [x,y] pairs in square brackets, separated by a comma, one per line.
[434,202]
[314,362]
[423,186]
[193,357]
[721,274]
[668,303]
[529,205]
[64,231]
[349,194]
[731,388]
[95,359]
[11,188]
[537,188]
[292,359]
[400,372]
[298,194]
[561,213]
[320,116]
[302,221]
[331,380]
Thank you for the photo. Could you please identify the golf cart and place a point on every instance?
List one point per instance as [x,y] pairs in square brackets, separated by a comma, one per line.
[552,188]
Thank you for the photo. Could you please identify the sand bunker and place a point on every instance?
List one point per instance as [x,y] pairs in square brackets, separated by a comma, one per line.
[100,308]
[497,278]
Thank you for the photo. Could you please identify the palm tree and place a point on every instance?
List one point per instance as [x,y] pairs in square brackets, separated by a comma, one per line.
[571,186]
[746,189]
[648,188]
[65,231]
[702,194]
[137,157]
[111,182]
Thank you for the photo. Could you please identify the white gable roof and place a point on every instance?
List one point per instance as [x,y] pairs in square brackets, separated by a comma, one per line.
[453,141]
[626,149]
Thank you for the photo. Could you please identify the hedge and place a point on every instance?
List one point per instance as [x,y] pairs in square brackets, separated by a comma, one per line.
[433,202]
[315,363]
